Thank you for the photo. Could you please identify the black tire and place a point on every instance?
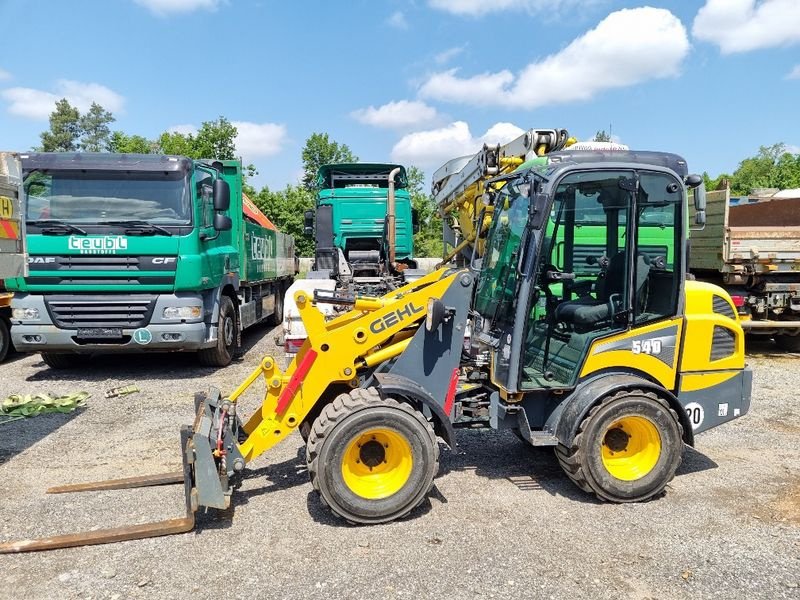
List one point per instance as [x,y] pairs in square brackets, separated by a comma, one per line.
[56,360]
[5,339]
[276,318]
[583,462]
[335,435]
[222,354]
[788,343]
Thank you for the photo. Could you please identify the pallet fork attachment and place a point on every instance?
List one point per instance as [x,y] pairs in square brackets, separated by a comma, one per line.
[199,478]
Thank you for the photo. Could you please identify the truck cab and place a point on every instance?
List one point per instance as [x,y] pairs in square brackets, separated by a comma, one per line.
[134,252]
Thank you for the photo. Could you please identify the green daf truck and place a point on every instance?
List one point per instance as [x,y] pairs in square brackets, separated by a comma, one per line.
[143,253]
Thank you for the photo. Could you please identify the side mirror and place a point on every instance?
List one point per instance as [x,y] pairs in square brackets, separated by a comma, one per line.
[222,222]
[308,223]
[414,220]
[222,195]
[700,204]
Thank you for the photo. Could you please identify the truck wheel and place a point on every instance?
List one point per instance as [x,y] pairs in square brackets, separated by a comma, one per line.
[222,354]
[276,318]
[627,449]
[371,460]
[5,339]
[56,360]
[788,343]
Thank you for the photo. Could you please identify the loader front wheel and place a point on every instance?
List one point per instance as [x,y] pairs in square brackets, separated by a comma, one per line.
[372,460]
[627,448]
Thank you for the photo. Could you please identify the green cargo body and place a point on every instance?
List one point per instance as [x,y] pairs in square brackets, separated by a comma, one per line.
[268,254]
[132,253]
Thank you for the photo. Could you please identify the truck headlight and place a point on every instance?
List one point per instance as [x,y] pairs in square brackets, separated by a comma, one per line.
[183,312]
[25,314]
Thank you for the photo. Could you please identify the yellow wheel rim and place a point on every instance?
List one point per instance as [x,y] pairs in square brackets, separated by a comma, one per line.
[377,463]
[631,448]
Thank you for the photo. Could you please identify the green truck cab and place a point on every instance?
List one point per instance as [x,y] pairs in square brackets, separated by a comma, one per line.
[363,220]
[363,227]
[142,252]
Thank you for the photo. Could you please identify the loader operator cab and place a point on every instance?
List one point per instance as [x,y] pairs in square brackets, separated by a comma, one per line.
[581,248]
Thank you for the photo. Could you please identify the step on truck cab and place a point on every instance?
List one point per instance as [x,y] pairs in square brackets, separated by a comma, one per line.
[140,253]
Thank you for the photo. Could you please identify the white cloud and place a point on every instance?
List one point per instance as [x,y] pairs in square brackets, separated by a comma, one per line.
[38,104]
[478,8]
[500,133]
[255,140]
[627,47]
[397,20]
[4,75]
[794,73]
[446,56]
[792,149]
[163,8]
[183,129]
[431,148]
[744,25]
[401,114]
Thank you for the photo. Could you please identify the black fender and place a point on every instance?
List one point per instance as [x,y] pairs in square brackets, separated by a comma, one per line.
[389,385]
[566,418]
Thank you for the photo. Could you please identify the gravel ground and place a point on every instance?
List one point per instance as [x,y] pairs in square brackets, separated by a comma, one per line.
[503,521]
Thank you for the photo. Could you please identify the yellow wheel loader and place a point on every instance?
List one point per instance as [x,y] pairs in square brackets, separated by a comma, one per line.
[605,351]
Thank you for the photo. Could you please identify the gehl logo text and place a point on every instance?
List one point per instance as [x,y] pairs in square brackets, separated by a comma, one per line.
[394,317]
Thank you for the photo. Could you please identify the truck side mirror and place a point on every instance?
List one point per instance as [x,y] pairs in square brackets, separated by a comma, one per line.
[222,222]
[222,195]
[308,223]
[414,220]
[700,204]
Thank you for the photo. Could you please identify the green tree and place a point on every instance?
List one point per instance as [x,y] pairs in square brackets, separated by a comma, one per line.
[321,150]
[94,128]
[216,139]
[285,208]
[177,143]
[602,136]
[135,144]
[64,129]
[428,240]
[773,166]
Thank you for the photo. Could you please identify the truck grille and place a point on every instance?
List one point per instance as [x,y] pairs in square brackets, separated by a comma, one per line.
[70,312]
[101,270]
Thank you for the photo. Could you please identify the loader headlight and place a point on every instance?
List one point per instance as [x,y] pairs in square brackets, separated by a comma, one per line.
[436,312]
[183,312]
[25,314]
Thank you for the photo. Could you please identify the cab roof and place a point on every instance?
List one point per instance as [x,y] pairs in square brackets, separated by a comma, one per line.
[340,175]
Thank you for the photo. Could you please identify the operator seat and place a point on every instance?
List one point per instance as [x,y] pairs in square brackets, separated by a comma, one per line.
[586,312]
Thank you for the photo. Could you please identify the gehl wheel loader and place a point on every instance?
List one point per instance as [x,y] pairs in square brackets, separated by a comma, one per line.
[605,351]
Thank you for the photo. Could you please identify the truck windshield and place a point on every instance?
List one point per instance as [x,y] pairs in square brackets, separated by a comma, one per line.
[88,197]
[494,298]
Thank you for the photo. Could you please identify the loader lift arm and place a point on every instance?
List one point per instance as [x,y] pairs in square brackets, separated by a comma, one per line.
[336,352]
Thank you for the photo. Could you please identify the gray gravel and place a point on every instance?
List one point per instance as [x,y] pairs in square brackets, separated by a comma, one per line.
[503,521]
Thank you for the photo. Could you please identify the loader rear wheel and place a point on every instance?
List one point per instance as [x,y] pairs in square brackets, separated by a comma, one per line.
[372,460]
[627,448]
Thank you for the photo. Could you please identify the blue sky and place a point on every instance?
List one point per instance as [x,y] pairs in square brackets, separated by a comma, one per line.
[417,81]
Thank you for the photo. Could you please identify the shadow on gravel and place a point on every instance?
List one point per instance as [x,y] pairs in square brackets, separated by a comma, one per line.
[502,455]
[150,365]
[17,436]
[694,462]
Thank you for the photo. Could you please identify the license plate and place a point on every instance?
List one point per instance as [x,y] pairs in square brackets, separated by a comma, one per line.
[100,332]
